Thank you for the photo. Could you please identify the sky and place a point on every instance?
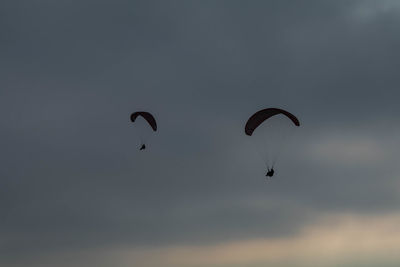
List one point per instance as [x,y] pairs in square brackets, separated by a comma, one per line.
[75,190]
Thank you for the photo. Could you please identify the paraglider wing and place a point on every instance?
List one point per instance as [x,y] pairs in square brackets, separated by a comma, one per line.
[147,116]
[259,117]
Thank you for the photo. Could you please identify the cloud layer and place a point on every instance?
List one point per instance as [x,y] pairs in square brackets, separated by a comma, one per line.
[72,181]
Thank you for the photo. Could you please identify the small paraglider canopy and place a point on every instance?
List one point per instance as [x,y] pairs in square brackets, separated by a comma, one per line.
[260,116]
[143,131]
[147,116]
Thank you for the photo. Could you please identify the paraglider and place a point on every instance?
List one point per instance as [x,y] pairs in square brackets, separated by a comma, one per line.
[270,172]
[151,121]
[260,116]
[273,136]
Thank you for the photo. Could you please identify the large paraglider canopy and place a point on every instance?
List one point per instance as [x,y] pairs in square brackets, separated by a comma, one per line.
[147,116]
[270,129]
[260,116]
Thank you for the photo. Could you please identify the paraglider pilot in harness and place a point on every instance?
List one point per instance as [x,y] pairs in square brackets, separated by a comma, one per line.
[143,147]
[270,172]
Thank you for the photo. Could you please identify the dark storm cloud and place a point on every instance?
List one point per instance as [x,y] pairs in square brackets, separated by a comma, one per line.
[71,73]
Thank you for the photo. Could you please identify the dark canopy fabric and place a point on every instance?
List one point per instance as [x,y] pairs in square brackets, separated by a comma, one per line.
[147,116]
[260,116]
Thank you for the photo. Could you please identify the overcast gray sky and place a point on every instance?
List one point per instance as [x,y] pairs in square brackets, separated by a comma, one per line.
[75,190]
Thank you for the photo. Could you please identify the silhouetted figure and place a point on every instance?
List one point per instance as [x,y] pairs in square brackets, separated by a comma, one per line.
[143,147]
[270,172]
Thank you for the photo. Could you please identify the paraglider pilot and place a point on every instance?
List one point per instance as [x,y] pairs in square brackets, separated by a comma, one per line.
[270,172]
[143,147]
